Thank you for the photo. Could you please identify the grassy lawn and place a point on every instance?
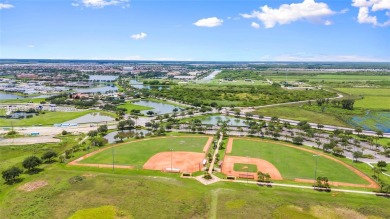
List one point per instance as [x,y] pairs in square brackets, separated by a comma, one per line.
[301,114]
[48,118]
[241,167]
[328,77]
[130,106]
[23,100]
[137,153]
[138,194]
[373,98]
[293,163]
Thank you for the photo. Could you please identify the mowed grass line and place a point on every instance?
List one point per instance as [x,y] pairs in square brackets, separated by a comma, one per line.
[49,118]
[293,163]
[137,153]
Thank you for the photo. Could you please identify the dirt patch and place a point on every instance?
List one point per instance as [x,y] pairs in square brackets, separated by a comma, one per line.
[262,165]
[229,146]
[333,183]
[182,161]
[208,144]
[31,186]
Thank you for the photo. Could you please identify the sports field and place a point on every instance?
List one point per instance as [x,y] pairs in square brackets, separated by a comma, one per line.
[293,163]
[149,153]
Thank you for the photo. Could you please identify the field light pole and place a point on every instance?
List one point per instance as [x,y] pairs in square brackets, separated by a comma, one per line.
[315,169]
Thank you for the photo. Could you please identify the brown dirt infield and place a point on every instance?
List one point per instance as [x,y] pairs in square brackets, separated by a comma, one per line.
[262,165]
[208,144]
[372,183]
[185,161]
[229,145]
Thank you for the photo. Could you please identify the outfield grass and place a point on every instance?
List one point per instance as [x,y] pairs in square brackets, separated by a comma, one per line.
[137,153]
[293,163]
[241,167]
[130,106]
[49,118]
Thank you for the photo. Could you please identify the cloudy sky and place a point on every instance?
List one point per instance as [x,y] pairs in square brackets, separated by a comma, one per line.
[197,30]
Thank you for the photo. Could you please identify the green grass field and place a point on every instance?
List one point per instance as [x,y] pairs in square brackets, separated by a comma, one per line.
[48,118]
[137,153]
[241,167]
[328,77]
[301,114]
[373,98]
[23,100]
[293,163]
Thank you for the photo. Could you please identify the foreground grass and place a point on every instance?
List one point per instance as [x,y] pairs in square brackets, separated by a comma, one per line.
[293,163]
[49,118]
[150,194]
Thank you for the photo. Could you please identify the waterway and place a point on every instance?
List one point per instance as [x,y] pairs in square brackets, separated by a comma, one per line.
[211,76]
[103,77]
[213,120]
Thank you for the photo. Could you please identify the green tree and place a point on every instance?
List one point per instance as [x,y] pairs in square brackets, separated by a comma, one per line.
[356,155]
[10,174]
[47,156]
[297,140]
[103,129]
[31,162]
[382,164]
[92,133]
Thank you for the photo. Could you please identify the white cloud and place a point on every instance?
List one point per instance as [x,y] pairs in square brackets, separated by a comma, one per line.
[366,6]
[139,36]
[5,6]
[288,13]
[100,3]
[255,25]
[209,22]
[31,46]
[328,22]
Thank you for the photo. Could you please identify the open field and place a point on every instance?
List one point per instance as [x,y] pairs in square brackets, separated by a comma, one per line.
[139,194]
[294,163]
[23,100]
[48,118]
[326,77]
[373,98]
[300,113]
[139,152]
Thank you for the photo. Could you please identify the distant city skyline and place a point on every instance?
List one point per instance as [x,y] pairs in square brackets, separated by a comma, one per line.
[197,30]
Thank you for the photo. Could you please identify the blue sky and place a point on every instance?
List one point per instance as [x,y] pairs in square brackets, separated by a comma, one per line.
[197,30]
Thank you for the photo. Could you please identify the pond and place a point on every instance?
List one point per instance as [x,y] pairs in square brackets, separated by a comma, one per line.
[20,115]
[158,108]
[102,90]
[90,118]
[372,121]
[103,77]
[110,136]
[213,120]
[7,96]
